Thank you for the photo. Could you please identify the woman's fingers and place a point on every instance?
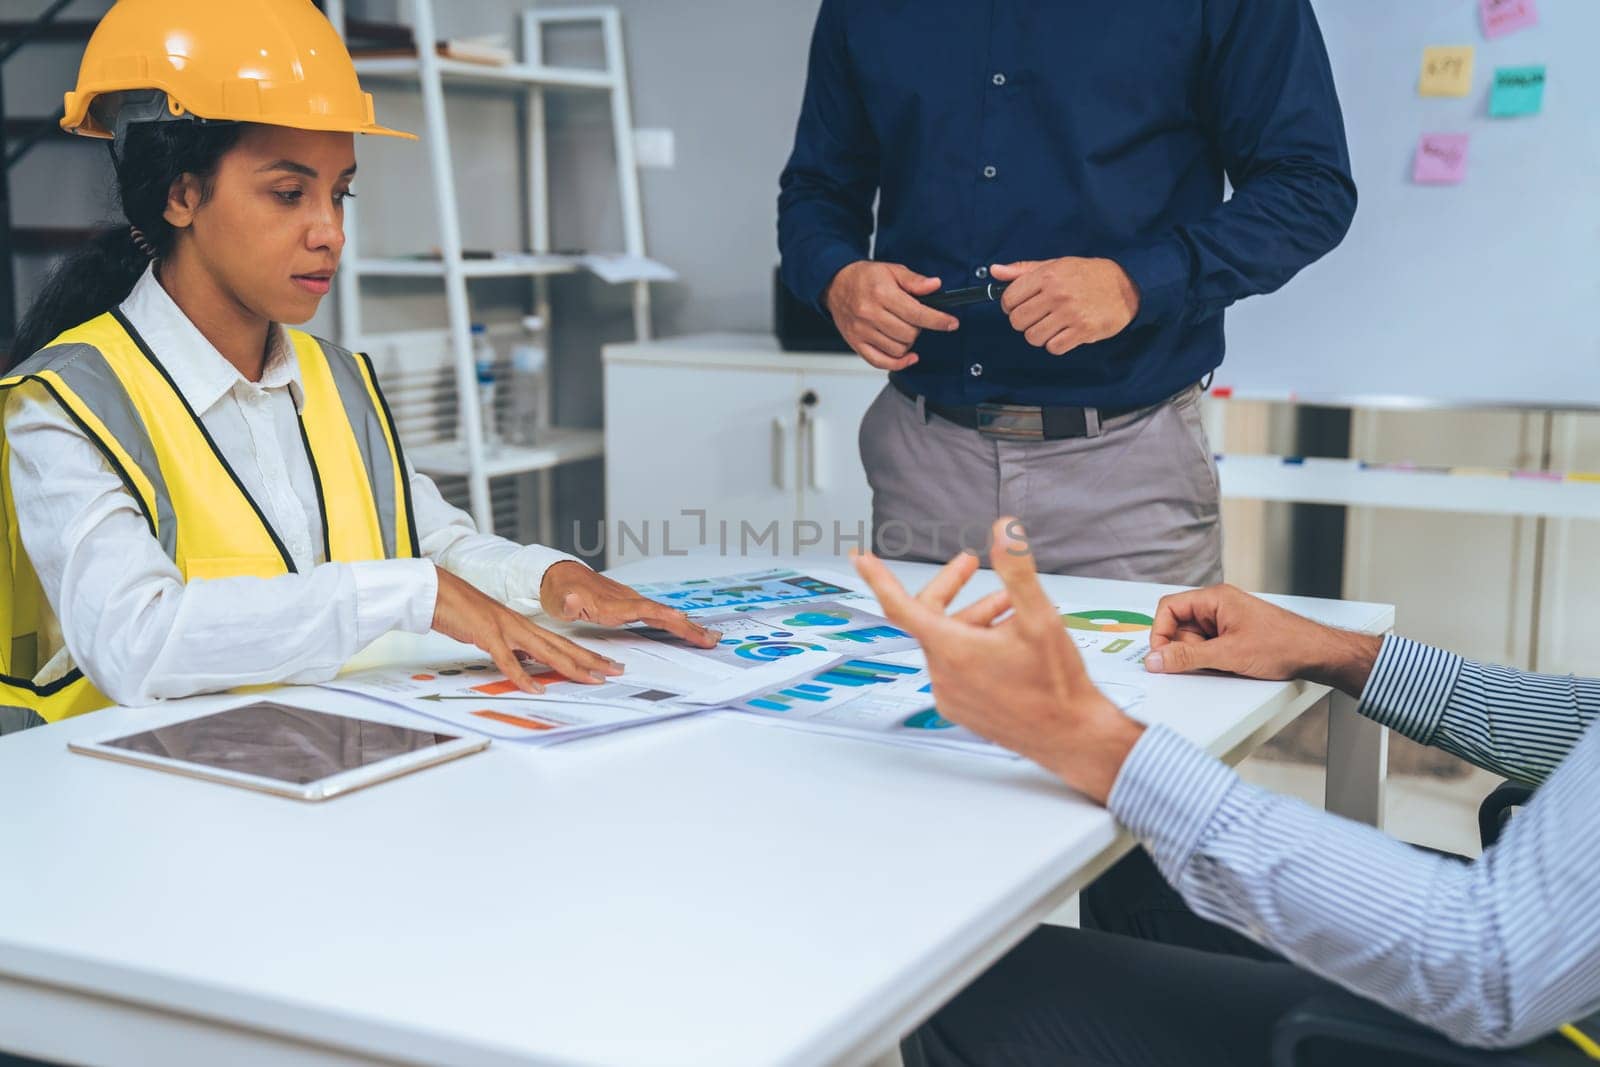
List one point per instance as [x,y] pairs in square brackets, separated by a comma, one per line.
[506,659]
[568,658]
[619,611]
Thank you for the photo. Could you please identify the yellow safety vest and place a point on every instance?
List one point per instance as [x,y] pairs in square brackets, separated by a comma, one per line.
[116,390]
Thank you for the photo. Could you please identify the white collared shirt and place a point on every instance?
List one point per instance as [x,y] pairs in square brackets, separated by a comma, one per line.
[122,610]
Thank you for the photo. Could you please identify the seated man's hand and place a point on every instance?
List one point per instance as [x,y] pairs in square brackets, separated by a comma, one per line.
[876,308]
[573,592]
[1226,629]
[1019,681]
[1059,304]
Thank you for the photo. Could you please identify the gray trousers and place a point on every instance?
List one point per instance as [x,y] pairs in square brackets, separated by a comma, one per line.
[1138,502]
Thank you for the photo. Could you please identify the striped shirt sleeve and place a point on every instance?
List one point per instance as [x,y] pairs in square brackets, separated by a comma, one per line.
[1511,722]
[1494,953]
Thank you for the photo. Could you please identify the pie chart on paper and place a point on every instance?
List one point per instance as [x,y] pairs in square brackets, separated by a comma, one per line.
[1107,620]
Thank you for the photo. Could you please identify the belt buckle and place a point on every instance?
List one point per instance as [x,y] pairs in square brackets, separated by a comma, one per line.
[1013,421]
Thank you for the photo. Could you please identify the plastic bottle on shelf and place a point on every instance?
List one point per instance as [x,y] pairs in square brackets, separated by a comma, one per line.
[483,361]
[528,362]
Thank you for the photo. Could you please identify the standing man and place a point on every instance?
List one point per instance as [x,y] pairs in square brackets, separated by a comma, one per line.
[1075,151]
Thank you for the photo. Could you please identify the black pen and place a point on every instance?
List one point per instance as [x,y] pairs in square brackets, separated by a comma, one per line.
[955,298]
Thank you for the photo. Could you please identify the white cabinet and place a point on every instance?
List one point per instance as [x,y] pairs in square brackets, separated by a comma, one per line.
[725,443]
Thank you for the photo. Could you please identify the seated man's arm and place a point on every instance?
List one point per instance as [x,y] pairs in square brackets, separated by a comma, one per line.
[1511,722]
[1517,724]
[1493,953]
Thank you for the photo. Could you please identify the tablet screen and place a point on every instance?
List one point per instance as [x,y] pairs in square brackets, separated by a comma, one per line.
[287,744]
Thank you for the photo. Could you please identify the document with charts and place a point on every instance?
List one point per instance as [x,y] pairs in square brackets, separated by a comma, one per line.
[473,695]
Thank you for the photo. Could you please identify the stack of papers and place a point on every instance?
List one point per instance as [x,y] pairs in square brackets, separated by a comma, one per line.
[799,649]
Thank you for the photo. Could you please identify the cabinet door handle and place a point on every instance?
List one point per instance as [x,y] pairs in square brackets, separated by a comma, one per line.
[781,428]
[816,453]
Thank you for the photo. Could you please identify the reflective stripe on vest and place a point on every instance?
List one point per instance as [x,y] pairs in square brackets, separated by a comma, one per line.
[118,393]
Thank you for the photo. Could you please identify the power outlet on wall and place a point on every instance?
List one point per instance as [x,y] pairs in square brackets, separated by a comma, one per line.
[655,147]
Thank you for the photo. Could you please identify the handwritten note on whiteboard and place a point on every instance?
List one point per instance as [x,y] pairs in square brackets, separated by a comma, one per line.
[1441,159]
[1517,91]
[1446,71]
[1501,17]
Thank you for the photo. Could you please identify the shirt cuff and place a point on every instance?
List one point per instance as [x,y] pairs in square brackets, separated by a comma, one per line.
[393,594]
[824,266]
[1160,271]
[1410,687]
[525,569]
[1167,794]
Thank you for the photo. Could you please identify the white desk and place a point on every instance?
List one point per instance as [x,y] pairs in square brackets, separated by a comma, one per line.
[708,891]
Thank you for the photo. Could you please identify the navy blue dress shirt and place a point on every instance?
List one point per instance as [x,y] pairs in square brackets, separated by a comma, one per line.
[998,130]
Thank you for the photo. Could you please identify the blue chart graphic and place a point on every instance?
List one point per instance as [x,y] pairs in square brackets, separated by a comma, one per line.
[869,634]
[928,720]
[819,618]
[831,684]
[769,646]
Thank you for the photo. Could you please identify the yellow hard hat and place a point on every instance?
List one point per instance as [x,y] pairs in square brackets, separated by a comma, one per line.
[276,62]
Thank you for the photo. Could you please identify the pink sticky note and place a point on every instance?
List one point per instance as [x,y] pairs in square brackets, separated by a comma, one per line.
[1501,17]
[1441,159]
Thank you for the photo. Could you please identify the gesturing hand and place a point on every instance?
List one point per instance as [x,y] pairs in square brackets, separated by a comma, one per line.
[1019,681]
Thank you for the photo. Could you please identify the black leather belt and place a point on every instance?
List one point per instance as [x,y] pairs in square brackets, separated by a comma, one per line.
[1022,421]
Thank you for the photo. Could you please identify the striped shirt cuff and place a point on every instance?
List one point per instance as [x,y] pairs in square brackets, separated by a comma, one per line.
[1167,794]
[1410,687]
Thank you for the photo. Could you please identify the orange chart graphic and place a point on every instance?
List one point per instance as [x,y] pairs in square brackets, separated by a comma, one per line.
[506,685]
[523,721]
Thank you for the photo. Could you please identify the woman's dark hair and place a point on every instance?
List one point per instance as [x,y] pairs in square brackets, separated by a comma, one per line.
[98,276]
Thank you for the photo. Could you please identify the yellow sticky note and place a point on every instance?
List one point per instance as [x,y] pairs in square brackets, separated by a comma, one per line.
[1446,71]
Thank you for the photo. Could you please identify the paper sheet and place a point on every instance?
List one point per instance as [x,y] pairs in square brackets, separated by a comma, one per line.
[749,591]
[473,695]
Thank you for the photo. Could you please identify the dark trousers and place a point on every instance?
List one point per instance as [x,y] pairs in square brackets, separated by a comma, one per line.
[1145,983]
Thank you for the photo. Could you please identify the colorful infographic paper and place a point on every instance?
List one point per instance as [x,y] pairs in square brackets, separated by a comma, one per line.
[473,694]
[742,592]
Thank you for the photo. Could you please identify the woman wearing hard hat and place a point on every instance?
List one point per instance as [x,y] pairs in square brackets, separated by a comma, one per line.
[192,495]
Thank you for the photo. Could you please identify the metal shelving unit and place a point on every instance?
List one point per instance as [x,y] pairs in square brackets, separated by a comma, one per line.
[433,74]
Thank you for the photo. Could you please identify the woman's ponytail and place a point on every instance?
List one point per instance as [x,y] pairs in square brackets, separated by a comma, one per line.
[98,276]
[93,279]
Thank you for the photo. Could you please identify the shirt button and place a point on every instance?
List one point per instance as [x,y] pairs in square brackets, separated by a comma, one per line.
[976,370]
[999,79]
[989,171]
[982,272]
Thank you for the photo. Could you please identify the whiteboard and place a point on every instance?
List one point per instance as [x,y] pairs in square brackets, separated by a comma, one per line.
[1487,292]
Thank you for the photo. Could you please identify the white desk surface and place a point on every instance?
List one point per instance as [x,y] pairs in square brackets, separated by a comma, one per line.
[708,891]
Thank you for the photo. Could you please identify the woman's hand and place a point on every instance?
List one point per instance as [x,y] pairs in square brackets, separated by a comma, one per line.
[572,592]
[465,613]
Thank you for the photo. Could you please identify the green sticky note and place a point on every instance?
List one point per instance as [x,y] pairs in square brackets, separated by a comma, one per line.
[1517,91]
